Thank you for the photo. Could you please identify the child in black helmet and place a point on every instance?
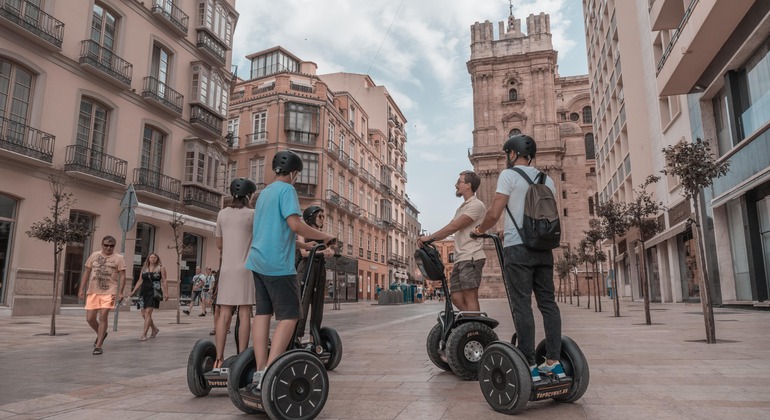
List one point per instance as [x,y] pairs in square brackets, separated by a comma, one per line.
[314,216]
[271,259]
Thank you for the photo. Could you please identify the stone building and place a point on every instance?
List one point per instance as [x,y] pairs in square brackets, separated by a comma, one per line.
[517,89]
[113,93]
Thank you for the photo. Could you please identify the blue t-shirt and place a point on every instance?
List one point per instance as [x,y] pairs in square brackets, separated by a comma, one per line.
[272,245]
[512,184]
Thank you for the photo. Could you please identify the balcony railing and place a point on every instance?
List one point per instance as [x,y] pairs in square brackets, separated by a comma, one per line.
[344,159]
[31,18]
[157,183]
[301,137]
[204,118]
[93,162]
[260,137]
[201,198]
[211,46]
[172,14]
[333,149]
[26,140]
[301,88]
[262,89]
[343,203]
[675,36]
[305,190]
[104,60]
[160,92]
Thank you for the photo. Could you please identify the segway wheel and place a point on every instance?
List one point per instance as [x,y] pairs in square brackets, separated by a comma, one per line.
[504,378]
[464,347]
[575,365]
[241,371]
[331,342]
[295,386]
[201,360]
[432,345]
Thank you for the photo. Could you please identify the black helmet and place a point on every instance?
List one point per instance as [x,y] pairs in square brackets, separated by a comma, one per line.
[242,187]
[521,144]
[287,161]
[309,214]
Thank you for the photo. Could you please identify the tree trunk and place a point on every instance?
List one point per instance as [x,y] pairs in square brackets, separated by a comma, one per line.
[705,291]
[55,296]
[615,299]
[588,284]
[569,286]
[577,288]
[645,286]
[595,275]
[179,287]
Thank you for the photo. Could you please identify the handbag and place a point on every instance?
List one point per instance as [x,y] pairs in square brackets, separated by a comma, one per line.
[157,294]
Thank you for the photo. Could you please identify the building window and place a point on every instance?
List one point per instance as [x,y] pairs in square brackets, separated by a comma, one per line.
[451,257]
[209,89]
[514,132]
[161,63]
[513,95]
[563,176]
[590,147]
[309,174]
[590,206]
[754,86]
[15,88]
[574,117]
[274,62]
[103,29]
[259,129]
[301,123]
[153,142]
[564,194]
[587,118]
[92,131]
[565,213]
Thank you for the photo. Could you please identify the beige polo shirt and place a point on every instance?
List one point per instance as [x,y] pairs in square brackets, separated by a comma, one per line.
[465,247]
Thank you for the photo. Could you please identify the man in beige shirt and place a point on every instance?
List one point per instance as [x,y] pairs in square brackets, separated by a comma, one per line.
[469,253]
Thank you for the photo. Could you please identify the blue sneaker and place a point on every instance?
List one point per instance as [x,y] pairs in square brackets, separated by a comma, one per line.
[554,369]
[535,373]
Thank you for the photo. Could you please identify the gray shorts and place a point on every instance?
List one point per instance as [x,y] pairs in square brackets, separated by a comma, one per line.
[277,294]
[466,275]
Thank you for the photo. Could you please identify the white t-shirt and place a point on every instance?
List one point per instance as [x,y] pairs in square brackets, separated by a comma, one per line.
[515,187]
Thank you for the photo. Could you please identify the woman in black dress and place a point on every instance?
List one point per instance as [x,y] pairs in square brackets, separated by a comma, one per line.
[152,281]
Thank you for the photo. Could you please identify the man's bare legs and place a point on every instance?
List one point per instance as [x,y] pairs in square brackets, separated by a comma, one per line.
[260,330]
[98,319]
[466,300]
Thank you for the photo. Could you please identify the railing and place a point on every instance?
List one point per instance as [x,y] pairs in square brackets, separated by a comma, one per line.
[172,13]
[301,88]
[26,140]
[206,119]
[300,137]
[305,190]
[202,198]
[353,165]
[157,183]
[237,95]
[675,37]
[209,44]
[341,202]
[263,89]
[90,161]
[159,91]
[260,137]
[101,58]
[34,20]
[333,149]
[344,159]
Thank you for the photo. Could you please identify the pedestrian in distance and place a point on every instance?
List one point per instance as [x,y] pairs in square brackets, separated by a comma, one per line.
[465,279]
[526,269]
[206,290]
[152,280]
[103,280]
[235,284]
[197,288]
[277,218]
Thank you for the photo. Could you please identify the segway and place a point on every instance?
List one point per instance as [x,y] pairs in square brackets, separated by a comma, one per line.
[504,375]
[201,375]
[458,340]
[295,385]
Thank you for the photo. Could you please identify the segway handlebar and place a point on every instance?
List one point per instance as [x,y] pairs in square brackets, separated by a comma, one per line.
[496,240]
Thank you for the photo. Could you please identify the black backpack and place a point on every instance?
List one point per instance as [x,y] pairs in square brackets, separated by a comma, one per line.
[428,260]
[541,228]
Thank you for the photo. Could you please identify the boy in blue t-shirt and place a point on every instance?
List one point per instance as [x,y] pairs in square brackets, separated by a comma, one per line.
[277,218]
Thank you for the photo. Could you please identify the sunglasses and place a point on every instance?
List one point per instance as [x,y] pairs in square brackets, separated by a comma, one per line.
[108,245]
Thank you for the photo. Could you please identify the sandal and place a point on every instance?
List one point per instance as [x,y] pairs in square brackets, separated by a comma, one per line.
[97,351]
[213,332]
[155,333]
[142,338]
[97,339]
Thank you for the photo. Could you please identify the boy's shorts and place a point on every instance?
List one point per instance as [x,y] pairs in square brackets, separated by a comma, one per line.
[466,275]
[277,294]
[99,301]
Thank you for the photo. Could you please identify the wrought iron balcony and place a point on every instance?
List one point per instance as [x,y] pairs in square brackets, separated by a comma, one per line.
[36,22]
[159,92]
[301,88]
[202,117]
[211,47]
[333,149]
[25,140]
[157,183]
[342,203]
[301,137]
[344,159]
[106,62]
[202,198]
[305,190]
[172,15]
[260,137]
[262,89]
[353,166]
[94,162]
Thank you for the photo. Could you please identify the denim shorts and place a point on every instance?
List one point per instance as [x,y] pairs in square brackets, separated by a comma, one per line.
[277,294]
[466,275]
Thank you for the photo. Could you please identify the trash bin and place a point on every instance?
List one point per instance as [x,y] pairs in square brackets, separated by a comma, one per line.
[413,293]
[405,291]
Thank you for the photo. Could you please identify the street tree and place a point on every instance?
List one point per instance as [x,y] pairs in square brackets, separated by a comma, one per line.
[594,236]
[177,222]
[561,266]
[641,215]
[59,230]
[695,168]
[612,215]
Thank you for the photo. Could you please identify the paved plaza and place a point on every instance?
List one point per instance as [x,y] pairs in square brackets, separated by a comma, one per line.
[637,371]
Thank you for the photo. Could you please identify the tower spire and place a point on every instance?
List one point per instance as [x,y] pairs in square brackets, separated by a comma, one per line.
[510,3]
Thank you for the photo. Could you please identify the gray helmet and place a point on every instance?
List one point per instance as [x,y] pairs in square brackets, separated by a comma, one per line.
[287,161]
[520,144]
[309,215]
[242,187]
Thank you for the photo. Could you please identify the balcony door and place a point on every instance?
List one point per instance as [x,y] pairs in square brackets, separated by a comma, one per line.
[92,134]
[161,59]
[15,90]
[152,156]
[103,32]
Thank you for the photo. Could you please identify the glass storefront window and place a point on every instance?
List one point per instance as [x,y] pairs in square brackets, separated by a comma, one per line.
[8,207]
[739,252]
[757,85]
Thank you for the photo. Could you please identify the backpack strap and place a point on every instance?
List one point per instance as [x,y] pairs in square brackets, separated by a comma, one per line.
[539,178]
[525,176]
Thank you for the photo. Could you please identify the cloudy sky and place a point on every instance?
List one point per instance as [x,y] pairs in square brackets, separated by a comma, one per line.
[418,50]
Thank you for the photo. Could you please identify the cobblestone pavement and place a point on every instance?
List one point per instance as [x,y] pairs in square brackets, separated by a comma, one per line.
[664,370]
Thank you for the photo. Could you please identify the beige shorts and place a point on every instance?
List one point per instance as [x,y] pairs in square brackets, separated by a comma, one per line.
[466,275]
[97,301]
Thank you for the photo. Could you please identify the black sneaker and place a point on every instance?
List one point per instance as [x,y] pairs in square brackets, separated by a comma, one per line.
[203,314]
[186,312]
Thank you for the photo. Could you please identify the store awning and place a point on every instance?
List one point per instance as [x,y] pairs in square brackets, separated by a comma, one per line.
[667,234]
[167,215]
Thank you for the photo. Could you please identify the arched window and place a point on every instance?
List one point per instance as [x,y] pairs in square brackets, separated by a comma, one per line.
[587,117]
[574,117]
[513,95]
[16,84]
[590,148]
[514,132]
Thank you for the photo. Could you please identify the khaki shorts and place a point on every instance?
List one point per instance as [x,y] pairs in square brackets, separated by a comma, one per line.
[98,301]
[466,275]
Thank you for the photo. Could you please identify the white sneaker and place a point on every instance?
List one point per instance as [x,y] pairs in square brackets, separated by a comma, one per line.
[256,380]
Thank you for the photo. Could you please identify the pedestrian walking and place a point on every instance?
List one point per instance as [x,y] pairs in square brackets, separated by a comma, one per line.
[208,282]
[197,288]
[103,279]
[153,288]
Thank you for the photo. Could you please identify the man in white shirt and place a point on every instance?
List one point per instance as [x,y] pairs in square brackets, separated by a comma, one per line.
[469,254]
